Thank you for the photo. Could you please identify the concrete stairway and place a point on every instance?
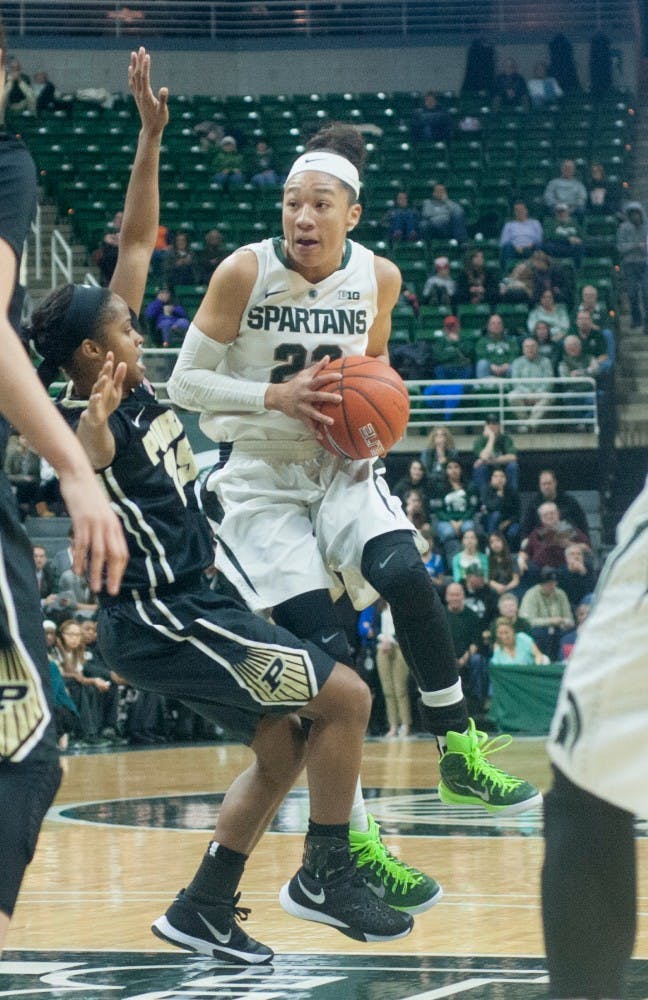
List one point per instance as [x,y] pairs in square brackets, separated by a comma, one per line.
[38,289]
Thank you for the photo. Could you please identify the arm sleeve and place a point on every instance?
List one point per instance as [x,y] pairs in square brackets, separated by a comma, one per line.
[195,384]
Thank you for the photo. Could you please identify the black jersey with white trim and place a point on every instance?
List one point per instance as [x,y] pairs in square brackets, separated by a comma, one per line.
[151,485]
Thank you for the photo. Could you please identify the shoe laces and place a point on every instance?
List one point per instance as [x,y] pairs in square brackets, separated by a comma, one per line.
[241,913]
[481,747]
[374,855]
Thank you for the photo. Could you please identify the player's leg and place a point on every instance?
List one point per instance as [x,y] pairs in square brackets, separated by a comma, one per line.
[588,892]
[312,616]
[393,566]
[205,917]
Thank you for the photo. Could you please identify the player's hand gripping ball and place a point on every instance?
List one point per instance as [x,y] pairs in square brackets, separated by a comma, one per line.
[374,411]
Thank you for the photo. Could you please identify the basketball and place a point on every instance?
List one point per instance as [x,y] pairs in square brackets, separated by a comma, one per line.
[374,410]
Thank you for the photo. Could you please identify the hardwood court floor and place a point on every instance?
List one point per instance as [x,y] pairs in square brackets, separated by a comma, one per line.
[104,871]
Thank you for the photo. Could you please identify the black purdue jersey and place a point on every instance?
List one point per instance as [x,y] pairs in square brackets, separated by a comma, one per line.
[151,485]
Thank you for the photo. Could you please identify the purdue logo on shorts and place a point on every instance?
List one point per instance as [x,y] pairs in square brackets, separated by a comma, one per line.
[277,676]
[23,712]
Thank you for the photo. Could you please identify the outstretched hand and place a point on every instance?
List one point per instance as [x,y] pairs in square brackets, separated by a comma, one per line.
[107,392]
[153,110]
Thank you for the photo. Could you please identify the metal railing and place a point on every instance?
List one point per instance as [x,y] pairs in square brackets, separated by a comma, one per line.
[61,265]
[240,20]
[459,404]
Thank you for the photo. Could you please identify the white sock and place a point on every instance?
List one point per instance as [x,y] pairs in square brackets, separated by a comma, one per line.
[358,820]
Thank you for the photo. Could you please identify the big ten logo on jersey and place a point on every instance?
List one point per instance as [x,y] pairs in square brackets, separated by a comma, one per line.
[348,295]
[165,441]
[299,319]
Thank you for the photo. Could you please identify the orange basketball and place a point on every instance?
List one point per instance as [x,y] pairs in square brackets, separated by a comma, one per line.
[374,410]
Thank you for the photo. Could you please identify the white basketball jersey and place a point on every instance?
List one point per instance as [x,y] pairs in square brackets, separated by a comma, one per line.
[287,325]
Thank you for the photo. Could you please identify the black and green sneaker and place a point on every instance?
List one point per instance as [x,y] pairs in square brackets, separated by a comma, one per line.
[396,883]
[469,779]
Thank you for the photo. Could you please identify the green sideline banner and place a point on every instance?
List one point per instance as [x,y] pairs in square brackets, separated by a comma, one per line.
[524,698]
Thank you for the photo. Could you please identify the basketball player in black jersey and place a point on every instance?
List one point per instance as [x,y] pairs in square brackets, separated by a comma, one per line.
[29,766]
[168,632]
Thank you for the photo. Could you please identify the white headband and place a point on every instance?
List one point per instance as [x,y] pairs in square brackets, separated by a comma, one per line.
[328,163]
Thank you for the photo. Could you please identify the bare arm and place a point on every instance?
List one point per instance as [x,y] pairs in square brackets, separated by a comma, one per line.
[142,205]
[98,538]
[389,282]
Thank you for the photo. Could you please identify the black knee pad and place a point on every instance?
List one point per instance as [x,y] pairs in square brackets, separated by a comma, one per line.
[313,616]
[389,563]
[26,793]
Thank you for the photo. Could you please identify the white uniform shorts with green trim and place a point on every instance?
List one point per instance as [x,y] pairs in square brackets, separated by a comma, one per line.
[599,734]
[296,516]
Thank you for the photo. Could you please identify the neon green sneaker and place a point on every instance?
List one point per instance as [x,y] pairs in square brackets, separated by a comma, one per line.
[399,885]
[469,779]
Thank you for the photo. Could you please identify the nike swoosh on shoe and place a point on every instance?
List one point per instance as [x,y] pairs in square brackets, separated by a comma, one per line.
[221,938]
[319,898]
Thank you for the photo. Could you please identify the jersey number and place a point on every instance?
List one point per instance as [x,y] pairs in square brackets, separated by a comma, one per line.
[297,359]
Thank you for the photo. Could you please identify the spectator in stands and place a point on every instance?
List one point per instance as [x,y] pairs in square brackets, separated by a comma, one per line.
[543,89]
[212,253]
[502,508]
[47,99]
[547,608]
[84,691]
[513,647]
[430,122]
[517,285]
[22,466]
[494,351]
[597,309]
[433,560]
[403,221]
[168,320]
[453,359]
[553,313]
[569,509]
[577,365]
[95,666]
[566,189]
[414,479]
[440,288]
[44,573]
[393,673]
[442,218]
[508,607]
[493,449]
[81,601]
[466,628]
[602,198]
[503,574]
[160,251]
[180,266]
[631,240]
[548,275]
[476,282]
[569,638]
[468,555]
[547,348]
[105,257]
[415,509]
[63,558]
[594,341]
[546,544]
[458,511]
[563,235]
[479,596]
[577,577]
[262,165]
[529,398]
[520,236]
[18,93]
[439,449]
[227,163]
[511,87]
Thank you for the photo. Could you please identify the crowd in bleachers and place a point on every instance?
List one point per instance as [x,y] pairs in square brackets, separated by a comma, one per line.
[516,578]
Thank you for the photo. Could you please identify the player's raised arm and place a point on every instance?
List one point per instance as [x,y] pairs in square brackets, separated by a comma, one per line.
[142,204]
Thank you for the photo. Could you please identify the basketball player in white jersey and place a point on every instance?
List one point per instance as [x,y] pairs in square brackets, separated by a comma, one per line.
[297,522]
[597,743]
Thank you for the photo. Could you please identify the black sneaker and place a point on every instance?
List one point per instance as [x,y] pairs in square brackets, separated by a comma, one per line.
[340,897]
[211,930]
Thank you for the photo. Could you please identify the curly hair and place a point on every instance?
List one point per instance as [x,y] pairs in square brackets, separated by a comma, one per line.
[343,139]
